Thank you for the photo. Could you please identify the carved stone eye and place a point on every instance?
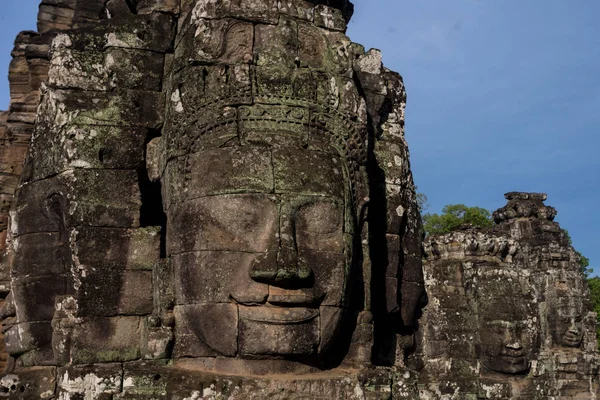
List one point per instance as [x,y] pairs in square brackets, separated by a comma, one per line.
[322,217]
[320,226]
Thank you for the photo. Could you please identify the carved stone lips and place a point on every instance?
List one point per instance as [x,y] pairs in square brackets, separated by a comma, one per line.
[513,357]
[571,338]
[293,300]
[278,315]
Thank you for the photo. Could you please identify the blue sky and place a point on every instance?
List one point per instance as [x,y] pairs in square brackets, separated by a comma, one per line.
[503,95]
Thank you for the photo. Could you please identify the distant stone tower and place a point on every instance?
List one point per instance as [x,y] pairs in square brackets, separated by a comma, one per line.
[509,312]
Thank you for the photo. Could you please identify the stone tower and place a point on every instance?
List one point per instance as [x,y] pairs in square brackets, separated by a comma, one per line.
[509,313]
[216,200]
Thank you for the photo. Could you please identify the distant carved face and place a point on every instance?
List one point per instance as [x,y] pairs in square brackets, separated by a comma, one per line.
[506,346]
[566,323]
[260,247]
[509,332]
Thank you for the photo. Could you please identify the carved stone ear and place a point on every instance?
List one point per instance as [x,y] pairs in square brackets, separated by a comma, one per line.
[8,310]
[55,208]
[154,159]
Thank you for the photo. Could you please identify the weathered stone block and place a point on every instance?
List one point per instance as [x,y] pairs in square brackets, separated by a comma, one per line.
[301,9]
[265,330]
[157,342]
[153,32]
[217,40]
[51,17]
[228,275]
[144,380]
[47,255]
[86,147]
[163,285]
[131,249]
[39,293]
[222,171]
[204,9]
[307,178]
[28,339]
[117,8]
[106,290]
[104,340]
[330,18]
[313,49]
[206,330]
[265,11]
[158,6]
[101,198]
[97,382]
[245,222]
[135,69]
[76,69]
[130,108]
[222,85]
[29,383]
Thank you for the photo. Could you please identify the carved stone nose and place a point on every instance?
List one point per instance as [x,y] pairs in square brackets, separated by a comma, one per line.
[514,345]
[286,272]
[8,308]
[574,329]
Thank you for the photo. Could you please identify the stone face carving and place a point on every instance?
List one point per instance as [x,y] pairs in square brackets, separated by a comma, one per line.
[276,260]
[262,183]
[508,326]
[224,186]
[566,319]
[507,307]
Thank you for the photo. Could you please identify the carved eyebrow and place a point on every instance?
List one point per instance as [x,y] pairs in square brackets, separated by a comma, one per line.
[508,324]
[499,322]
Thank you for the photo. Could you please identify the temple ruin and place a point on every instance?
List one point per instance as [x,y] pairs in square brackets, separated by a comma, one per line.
[213,200]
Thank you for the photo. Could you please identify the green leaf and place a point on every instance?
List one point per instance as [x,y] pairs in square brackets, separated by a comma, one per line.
[455,215]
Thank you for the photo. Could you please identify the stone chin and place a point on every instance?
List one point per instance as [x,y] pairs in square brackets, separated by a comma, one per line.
[19,338]
[12,339]
[509,364]
[571,339]
[568,332]
[287,331]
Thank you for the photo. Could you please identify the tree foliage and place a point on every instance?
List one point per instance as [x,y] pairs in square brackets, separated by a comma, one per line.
[594,285]
[421,200]
[584,262]
[455,215]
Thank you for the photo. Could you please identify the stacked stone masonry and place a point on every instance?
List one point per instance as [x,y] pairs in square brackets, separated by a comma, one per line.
[213,199]
[509,313]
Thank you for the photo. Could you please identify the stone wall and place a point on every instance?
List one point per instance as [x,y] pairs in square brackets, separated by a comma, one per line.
[6,184]
[28,71]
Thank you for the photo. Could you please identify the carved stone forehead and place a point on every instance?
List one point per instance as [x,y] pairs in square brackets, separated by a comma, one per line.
[504,297]
[255,168]
[334,13]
